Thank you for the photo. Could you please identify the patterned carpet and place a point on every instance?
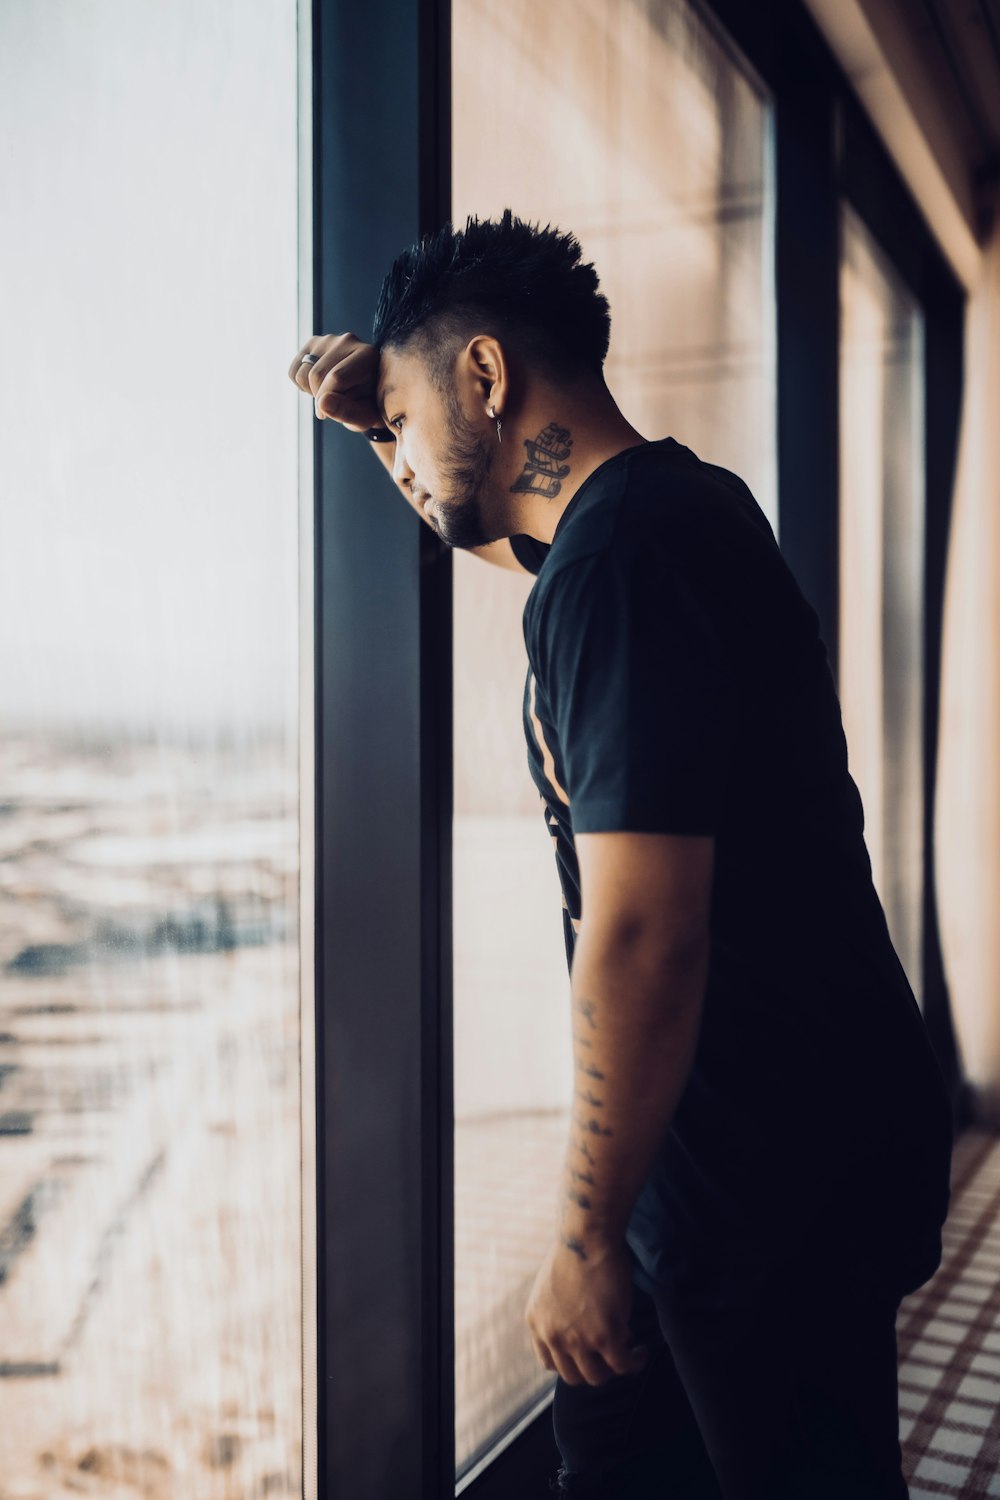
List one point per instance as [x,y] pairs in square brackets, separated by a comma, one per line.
[948,1336]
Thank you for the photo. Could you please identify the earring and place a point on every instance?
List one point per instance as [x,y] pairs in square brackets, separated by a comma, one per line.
[491,412]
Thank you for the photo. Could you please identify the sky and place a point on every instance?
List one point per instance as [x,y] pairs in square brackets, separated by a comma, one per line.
[148,308]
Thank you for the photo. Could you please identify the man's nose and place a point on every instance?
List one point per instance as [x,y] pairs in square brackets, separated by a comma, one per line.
[401,471]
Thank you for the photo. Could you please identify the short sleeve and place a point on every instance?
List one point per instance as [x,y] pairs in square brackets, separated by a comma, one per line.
[638,688]
[529,552]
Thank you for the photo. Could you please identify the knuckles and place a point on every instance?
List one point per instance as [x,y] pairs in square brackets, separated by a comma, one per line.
[332,384]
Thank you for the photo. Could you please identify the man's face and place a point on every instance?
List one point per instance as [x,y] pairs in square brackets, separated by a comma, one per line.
[443,459]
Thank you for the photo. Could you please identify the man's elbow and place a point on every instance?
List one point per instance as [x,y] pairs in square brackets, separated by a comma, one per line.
[651,942]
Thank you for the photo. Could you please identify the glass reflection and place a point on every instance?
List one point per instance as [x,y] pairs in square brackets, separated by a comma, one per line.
[631,124]
[150,1240]
[882,563]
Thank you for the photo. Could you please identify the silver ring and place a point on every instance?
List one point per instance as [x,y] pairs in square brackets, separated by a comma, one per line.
[309,359]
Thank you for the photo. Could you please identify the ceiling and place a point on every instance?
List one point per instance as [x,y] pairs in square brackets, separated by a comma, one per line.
[959,41]
[928,74]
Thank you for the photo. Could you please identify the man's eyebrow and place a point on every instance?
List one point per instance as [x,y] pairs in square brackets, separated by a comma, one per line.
[380,400]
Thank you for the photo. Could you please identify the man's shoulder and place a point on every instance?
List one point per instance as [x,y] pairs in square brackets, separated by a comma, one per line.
[660,494]
[661,502]
[669,486]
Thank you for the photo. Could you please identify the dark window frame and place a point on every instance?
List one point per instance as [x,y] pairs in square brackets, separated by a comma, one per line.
[385,1376]
[383,697]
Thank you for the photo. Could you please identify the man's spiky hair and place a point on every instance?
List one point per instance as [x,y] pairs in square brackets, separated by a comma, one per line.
[527,286]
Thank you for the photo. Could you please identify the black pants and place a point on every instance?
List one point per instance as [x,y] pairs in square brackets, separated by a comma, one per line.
[785,1392]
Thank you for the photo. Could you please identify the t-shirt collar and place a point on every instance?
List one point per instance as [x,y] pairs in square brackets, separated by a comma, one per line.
[595,473]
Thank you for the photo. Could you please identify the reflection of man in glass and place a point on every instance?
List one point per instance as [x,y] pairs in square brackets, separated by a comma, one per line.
[757,1168]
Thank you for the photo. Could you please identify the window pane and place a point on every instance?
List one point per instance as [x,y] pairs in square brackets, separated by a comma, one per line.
[150,1134]
[882,562]
[633,126]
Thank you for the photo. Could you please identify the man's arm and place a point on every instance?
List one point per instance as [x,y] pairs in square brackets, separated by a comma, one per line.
[638,979]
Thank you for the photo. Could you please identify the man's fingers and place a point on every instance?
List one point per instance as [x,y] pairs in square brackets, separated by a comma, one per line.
[542,1354]
[333,350]
[552,1357]
[346,369]
[297,370]
[575,1366]
[565,1365]
[591,1364]
[624,1359]
[341,378]
[318,345]
[344,386]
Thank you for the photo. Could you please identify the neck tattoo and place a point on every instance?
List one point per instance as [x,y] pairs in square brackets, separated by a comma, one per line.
[544,468]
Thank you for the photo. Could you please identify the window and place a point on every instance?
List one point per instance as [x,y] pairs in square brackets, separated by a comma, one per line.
[634,127]
[882,567]
[151,1301]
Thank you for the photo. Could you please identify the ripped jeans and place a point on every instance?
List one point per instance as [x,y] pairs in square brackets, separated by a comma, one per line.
[787,1393]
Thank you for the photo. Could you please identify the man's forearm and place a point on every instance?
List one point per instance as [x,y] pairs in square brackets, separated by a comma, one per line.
[636,1011]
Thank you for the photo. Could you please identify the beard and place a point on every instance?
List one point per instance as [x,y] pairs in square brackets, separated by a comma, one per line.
[464,471]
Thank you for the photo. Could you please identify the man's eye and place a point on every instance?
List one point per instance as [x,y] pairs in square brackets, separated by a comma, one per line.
[396,422]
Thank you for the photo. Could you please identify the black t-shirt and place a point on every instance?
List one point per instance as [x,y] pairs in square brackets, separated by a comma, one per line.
[678,683]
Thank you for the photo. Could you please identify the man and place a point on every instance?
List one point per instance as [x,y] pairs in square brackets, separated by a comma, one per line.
[758,1163]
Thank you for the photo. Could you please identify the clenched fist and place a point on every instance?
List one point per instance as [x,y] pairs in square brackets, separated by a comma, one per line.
[342,381]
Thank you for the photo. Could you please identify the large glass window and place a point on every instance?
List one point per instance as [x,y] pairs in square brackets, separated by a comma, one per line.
[634,126]
[882,567]
[151,1023]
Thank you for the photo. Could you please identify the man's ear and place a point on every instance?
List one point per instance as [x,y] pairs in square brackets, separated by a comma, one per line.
[483,366]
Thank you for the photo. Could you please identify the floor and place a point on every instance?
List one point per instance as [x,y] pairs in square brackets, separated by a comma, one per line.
[948,1337]
[948,1333]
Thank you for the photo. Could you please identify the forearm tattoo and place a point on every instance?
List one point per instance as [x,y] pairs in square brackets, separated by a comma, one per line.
[588,1011]
[580,1165]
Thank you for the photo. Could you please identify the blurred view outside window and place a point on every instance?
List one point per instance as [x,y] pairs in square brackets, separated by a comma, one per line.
[150,1151]
[634,126]
[882,565]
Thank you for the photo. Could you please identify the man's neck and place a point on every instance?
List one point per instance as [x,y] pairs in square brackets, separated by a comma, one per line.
[559,455]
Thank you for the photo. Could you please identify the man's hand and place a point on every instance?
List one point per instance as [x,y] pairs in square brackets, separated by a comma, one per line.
[343,380]
[578,1313]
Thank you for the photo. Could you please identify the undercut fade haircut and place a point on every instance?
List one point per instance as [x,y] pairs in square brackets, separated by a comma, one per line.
[529,287]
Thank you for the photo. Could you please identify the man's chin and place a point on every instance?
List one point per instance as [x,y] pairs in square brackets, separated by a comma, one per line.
[453,528]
